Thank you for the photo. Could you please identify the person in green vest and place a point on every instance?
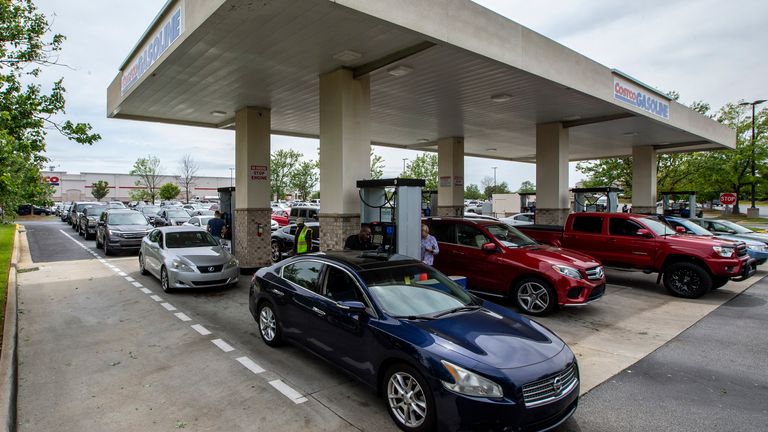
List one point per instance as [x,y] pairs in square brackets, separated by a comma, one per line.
[302,240]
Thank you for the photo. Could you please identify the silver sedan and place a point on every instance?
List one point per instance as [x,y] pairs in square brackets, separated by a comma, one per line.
[187,257]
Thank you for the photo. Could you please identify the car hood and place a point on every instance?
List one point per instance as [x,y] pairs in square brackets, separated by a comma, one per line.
[556,255]
[130,228]
[494,337]
[762,238]
[685,240]
[201,256]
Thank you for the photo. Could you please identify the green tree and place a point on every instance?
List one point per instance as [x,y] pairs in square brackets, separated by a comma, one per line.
[147,169]
[527,187]
[305,178]
[281,164]
[472,192]
[100,189]
[377,165]
[139,195]
[27,111]
[424,166]
[168,191]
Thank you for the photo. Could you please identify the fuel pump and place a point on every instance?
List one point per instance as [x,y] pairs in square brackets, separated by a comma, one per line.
[601,199]
[392,208]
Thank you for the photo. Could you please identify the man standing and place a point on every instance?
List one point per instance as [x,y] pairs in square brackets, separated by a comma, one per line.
[361,240]
[302,240]
[215,225]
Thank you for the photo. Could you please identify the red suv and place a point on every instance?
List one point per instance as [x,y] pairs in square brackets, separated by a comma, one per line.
[498,259]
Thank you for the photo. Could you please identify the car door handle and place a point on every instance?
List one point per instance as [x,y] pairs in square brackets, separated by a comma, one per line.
[458,253]
[277,291]
[318,311]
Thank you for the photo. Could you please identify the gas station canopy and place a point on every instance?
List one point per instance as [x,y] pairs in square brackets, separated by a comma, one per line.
[438,68]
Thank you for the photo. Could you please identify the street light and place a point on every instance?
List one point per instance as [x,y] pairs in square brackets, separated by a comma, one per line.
[755,103]
[494,178]
[404,160]
[231,177]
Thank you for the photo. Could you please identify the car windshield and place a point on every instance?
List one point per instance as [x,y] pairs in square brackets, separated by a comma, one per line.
[150,210]
[132,218]
[177,214]
[690,226]
[204,220]
[204,212]
[734,226]
[96,211]
[414,290]
[509,236]
[658,227]
[189,239]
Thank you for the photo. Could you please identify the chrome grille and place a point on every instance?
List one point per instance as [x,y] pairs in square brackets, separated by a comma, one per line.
[595,273]
[550,389]
[134,235]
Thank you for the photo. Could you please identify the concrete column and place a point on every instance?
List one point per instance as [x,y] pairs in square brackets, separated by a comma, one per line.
[552,198]
[345,152]
[252,189]
[643,179]
[450,168]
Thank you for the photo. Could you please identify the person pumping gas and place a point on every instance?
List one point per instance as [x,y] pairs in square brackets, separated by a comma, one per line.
[302,240]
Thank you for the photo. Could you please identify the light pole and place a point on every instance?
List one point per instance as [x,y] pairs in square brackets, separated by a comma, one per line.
[231,177]
[755,103]
[494,178]
[404,160]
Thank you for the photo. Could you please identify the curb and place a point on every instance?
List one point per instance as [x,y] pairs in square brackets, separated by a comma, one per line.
[9,356]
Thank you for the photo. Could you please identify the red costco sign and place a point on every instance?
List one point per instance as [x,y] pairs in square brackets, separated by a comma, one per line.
[728,198]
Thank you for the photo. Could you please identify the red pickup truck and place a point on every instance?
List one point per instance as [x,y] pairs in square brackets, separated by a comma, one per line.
[689,265]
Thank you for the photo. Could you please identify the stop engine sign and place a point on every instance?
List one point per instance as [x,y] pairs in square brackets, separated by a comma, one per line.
[728,198]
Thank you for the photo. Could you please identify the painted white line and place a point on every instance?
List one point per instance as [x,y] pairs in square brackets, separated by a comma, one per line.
[250,365]
[168,306]
[129,279]
[288,391]
[137,284]
[117,270]
[156,298]
[223,345]
[146,291]
[200,329]
[182,316]
[122,274]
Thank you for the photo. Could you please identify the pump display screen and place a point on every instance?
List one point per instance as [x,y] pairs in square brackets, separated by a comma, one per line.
[377,239]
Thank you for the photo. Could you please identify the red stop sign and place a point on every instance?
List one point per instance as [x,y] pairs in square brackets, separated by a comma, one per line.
[728,198]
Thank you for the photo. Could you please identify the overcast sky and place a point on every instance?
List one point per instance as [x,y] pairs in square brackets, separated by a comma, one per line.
[707,50]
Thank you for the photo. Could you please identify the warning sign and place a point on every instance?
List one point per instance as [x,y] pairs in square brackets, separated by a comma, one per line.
[259,172]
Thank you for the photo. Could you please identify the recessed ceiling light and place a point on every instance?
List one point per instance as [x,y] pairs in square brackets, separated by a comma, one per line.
[347,55]
[663,143]
[218,113]
[422,140]
[630,134]
[572,118]
[502,97]
[399,70]
[492,149]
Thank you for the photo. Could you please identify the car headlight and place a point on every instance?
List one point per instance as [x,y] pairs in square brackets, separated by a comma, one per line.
[567,271]
[232,263]
[723,251]
[756,248]
[182,267]
[116,233]
[470,384]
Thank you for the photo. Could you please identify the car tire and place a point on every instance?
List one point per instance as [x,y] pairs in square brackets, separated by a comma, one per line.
[98,243]
[534,296]
[277,255]
[107,250]
[165,283]
[687,280]
[142,267]
[269,325]
[408,399]
[719,281]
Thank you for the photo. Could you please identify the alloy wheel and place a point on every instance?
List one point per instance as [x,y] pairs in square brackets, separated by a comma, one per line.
[276,255]
[533,297]
[164,280]
[267,323]
[406,399]
[684,281]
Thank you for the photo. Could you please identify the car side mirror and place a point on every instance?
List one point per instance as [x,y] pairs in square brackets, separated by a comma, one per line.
[730,231]
[489,247]
[642,232]
[352,306]
[679,229]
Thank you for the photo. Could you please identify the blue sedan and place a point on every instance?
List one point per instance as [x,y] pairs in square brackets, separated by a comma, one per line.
[440,357]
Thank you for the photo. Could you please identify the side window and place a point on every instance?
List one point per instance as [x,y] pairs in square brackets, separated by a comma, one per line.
[524,218]
[313,214]
[305,274]
[154,235]
[717,227]
[103,217]
[443,232]
[339,286]
[294,212]
[316,232]
[623,227]
[468,235]
[588,224]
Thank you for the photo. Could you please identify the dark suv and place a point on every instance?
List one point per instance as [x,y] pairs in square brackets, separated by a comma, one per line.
[121,230]
[309,213]
[86,226]
[171,217]
[76,210]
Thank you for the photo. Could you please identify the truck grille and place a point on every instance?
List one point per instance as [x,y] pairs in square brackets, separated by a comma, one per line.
[595,273]
[550,389]
[741,250]
[134,235]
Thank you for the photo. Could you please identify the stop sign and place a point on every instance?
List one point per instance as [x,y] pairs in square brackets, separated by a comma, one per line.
[728,198]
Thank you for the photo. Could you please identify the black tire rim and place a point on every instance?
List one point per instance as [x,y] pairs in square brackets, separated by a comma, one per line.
[164,280]
[685,281]
[275,252]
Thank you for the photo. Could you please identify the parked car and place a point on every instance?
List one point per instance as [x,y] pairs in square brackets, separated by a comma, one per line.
[116,205]
[273,225]
[170,216]
[89,218]
[498,259]
[201,212]
[442,358]
[282,240]
[720,227]
[29,209]
[757,250]
[470,215]
[64,212]
[519,219]
[281,219]
[198,221]
[77,210]
[689,266]
[150,212]
[187,257]
[119,230]
[309,213]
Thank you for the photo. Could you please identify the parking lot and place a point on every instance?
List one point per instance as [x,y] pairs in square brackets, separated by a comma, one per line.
[103,348]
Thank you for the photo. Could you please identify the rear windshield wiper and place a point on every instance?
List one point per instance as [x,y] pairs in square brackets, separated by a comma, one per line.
[458,309]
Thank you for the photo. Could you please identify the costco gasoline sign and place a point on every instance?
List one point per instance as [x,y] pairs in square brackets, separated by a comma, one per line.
[640,98]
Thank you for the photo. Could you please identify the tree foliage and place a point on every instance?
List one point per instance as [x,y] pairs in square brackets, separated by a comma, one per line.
[168,191]
[377,165]
[100,189]
[472,192]
[281,164]
[148,171]
[187,174]
[27,112]
[304,178]
[424,166]
[527,187]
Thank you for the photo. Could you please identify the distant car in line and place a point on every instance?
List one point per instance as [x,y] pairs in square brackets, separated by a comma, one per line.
[77,210]
[86,226]
[171,216]
[470,215]
[201,212]
[187,257]
[198,221]
[119,230]
[282,240]
[150,212]
[721,227]
[519,219]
